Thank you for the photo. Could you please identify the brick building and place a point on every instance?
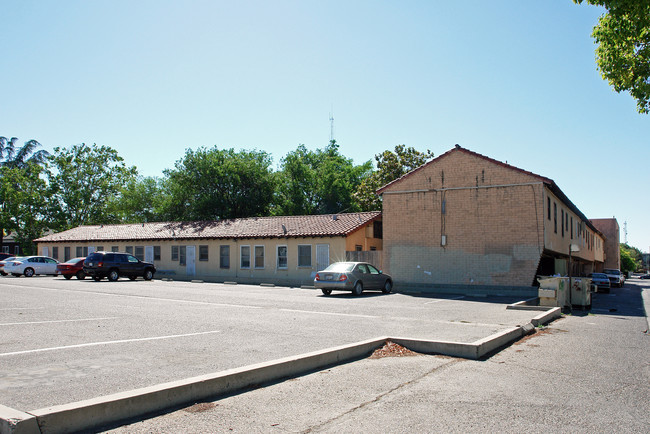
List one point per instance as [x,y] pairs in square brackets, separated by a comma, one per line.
[466,223]
[611,230]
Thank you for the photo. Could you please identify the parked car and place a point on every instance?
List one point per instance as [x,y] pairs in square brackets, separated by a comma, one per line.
[644,276]
[3,262]
[616,278]
[72,267]
[114,265]
[600,281]
[31,265]
[352,276]
[4,256]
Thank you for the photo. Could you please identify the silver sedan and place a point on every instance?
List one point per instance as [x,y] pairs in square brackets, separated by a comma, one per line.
[352,276]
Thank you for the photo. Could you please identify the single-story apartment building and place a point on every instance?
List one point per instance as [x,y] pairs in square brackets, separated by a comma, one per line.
[285,250]
[466,223]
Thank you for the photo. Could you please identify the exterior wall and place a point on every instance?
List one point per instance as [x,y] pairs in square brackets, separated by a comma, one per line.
[210,269]
[363,237]
[611,230]
[490,215]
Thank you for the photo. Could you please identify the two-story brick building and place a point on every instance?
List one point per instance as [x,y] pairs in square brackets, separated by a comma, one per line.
[469,224]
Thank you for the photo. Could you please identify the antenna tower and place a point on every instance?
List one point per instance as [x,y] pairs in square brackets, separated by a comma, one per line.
[625,231]
[332,125]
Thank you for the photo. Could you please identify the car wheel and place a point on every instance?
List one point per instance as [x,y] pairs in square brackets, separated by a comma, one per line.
[29,272]
[97,278]
[113,275]
[67,276]
[358,288]
[388,287]
[326,291]
[81,275]
[133,277]
[148,274]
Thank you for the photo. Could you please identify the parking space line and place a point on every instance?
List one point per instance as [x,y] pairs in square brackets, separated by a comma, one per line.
[59,321]
[445,299]
[93,344]
[329,313]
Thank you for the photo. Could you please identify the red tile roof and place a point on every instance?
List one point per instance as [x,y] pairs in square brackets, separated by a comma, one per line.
[328,225]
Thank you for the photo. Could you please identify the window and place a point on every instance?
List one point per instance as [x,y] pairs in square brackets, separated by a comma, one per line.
[129,250]
[259,256]
[79,252]
[115,248]
[203,253]
[562,221]
[245,257]
[99,249]
[282,257]
[182,255]
[555,217]
[139,252]
[304,255]
[156,253]
[548,207]
[55,252]
[358,248]
[224,256]
[373,248]
[377,229]
[5,249]
[174,253]
[16,250]
[66,254]
[571,227]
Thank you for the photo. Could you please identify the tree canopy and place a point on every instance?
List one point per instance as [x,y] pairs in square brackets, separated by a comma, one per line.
[623,52]
[390,166]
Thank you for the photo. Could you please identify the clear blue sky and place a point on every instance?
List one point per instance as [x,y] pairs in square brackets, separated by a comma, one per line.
[514,80]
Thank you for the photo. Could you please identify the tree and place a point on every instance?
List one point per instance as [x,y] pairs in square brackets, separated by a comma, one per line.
[623,52]
[138,201]
[24,196]
[212,184]
[318,182]
[631,257]
[390,166]
[83,179]
[12,157]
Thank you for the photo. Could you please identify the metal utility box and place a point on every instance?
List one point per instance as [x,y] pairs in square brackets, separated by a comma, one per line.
[581,292]
[553,291]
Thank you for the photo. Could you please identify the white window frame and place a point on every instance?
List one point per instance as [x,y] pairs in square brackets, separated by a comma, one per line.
[286,257]
[255,257]
[241,257]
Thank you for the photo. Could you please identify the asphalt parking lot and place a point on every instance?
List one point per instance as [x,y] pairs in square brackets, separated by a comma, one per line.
[64,341]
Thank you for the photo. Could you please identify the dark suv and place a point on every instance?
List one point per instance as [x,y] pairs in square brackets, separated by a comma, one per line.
[114,265]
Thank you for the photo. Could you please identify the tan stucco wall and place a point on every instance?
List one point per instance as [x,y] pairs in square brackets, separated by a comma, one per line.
[210,269]
[363,237]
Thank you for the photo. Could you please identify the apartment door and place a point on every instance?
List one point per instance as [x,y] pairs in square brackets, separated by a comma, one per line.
[190,265]
[322,256]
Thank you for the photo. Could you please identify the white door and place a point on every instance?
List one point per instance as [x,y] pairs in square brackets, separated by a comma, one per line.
[190,260]
[91,249]
[148,254]
[46,251]
[322,256]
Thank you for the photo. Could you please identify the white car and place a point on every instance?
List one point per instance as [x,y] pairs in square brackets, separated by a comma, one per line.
[30,265]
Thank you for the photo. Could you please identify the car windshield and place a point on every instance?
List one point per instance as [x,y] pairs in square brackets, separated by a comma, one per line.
[76,260]
[340,267]
[613,271]
[599,275]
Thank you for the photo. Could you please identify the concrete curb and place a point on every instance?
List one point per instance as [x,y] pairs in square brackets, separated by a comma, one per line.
[111,409]
[547,316]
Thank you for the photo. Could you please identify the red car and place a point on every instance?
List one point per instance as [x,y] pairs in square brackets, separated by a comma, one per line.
[73,267]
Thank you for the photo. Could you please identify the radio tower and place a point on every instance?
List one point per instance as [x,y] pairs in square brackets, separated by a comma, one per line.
[332,125]
[625,231]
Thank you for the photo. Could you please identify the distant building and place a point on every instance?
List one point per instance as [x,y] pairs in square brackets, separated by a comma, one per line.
[469,224]
[10,245]
[282,250]
[610,228]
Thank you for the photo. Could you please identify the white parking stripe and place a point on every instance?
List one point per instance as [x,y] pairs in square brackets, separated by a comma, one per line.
[58,321]
[93,344]
[445,299]
[329,313]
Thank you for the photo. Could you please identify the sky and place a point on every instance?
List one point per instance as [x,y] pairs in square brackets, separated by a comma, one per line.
[513,80]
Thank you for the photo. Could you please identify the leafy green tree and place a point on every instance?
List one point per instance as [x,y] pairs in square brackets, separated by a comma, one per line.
[631,257]
[83,179]
[623,52]
[318,182]
[139,200]
[211,184]
[390,166]
[14,157]
[24,194]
